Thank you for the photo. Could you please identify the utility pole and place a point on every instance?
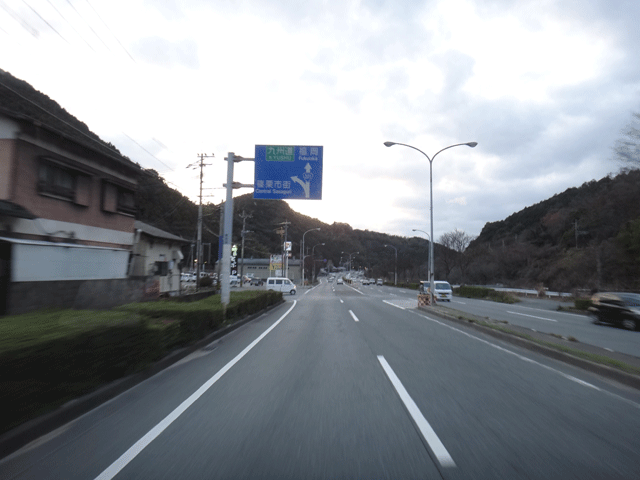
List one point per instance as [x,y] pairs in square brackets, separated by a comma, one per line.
[200,164]
[244,217]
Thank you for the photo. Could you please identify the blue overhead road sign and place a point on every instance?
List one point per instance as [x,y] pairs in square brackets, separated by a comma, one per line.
[288,172]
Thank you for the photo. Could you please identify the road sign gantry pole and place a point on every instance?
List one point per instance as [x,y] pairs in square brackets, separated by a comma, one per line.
[225,288]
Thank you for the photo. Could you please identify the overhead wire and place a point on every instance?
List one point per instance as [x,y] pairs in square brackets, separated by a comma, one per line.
[89,25]
[45,21]
[147,151]
[71,25]
[23,23]
[111,32]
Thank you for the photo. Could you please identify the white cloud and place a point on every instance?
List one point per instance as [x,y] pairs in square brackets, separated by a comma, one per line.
[543,87]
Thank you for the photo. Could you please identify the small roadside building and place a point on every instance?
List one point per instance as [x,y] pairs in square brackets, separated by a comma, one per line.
[156,256]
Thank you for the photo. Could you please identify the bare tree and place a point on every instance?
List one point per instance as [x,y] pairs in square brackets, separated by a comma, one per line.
[453,255]
[627,148]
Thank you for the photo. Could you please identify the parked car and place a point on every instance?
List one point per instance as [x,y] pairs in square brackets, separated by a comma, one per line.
[257,282]
[188,277]
[379,281]
[618,308]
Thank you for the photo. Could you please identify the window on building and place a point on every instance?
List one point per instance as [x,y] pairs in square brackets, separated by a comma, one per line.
[118,199]
[56,180]
[63,182]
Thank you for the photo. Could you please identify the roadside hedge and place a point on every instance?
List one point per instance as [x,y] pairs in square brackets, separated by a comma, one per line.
[50,357]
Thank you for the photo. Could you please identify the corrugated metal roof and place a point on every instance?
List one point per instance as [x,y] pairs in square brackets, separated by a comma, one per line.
[156,232]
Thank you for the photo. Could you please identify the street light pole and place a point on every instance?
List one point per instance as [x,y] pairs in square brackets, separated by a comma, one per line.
[468,144]
[354,253]
[395,280]
[314,261]
[417,230]
[302,256]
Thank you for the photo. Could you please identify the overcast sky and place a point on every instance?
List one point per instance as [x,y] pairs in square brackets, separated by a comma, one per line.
[543,86]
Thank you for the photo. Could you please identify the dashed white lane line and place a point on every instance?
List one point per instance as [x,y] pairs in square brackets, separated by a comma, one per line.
[141,444]
[341,301]
[354,316]
[533,316]
[425,429]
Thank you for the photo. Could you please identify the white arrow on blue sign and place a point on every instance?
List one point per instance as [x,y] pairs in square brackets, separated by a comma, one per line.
[288,172]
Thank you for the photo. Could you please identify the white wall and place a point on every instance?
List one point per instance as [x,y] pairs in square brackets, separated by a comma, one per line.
[37,262]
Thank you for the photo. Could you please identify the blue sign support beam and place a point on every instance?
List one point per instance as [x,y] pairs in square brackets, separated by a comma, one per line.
[288,172]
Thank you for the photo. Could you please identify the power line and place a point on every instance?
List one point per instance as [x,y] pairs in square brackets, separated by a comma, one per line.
[107,27]
[23,23]
[89,25]
[71,25]
[147,151]
[43,19]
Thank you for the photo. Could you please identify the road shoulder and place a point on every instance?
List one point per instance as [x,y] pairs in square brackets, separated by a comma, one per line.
[616,366]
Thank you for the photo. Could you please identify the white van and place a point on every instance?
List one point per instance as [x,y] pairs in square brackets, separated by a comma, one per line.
[280,284]
[443,291]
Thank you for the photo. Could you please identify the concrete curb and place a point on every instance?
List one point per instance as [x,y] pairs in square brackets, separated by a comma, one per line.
[620,376]
[22,435]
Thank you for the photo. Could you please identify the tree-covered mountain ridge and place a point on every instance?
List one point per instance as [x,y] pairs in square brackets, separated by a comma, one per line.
[586,237]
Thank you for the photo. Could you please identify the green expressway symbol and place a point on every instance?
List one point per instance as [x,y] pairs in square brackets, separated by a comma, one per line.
[276,153]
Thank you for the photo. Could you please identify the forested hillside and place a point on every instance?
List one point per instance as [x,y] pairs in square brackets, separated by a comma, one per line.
[583,238]
[586,237]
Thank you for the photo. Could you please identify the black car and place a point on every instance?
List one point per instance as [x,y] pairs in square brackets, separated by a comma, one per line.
[619,308]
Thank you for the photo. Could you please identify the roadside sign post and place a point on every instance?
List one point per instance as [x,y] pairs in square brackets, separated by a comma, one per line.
[281,172]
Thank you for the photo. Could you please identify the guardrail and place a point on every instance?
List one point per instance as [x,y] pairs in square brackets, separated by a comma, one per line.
[533,292]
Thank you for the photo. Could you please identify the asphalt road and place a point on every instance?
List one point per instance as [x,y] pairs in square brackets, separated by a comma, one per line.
[345,383]
[541,315]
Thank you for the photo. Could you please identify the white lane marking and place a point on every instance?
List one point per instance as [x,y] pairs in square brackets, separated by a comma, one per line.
[522,357]
[458,301]
[353,288]
[393,305]
[427,432]
[555,311]
[341,301]
[393,294]
[354,316]
[609,349]
[533,316]
[152,434]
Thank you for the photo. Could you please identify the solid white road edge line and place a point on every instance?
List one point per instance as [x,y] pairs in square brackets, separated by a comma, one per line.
[522,357]
[425,429]
[354,316]
[533,316]
[141,444]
